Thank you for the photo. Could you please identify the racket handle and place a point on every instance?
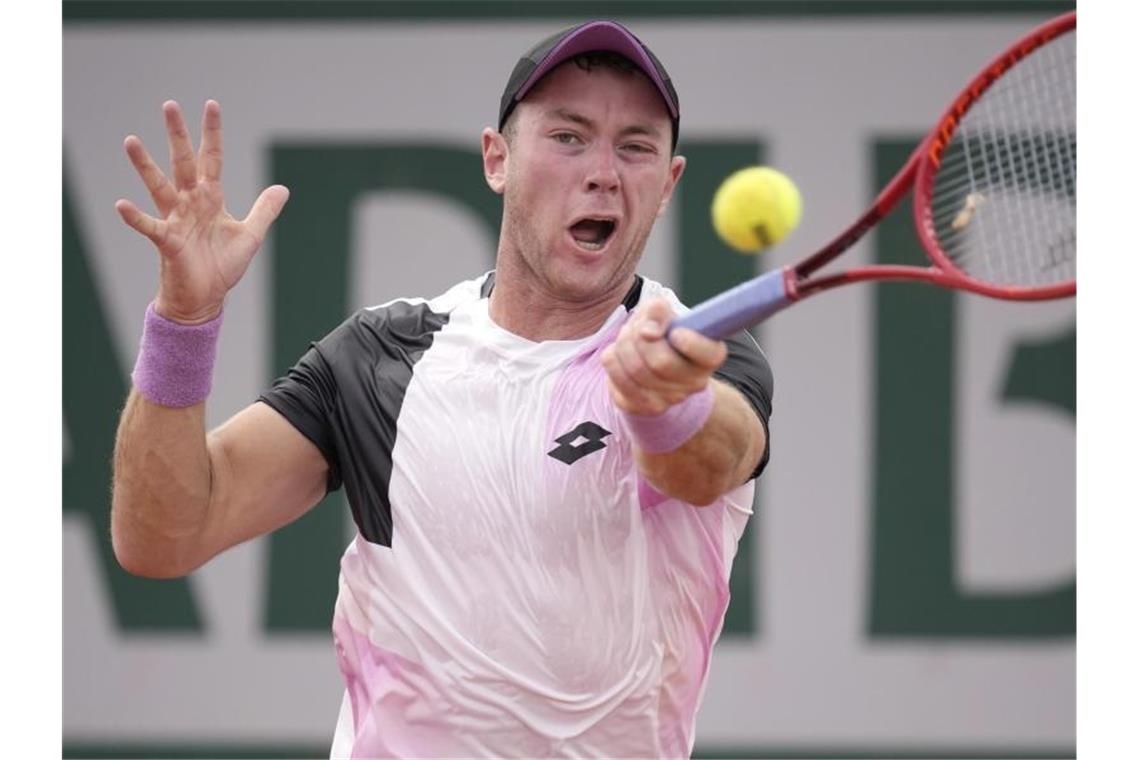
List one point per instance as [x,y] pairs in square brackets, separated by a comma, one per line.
[745,305]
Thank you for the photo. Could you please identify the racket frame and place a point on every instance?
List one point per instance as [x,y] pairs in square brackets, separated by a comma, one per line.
[713,316]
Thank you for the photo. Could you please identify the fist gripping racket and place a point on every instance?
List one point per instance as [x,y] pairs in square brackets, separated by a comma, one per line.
[995,190]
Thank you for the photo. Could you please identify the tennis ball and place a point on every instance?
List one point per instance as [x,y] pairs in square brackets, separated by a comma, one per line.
[754,208]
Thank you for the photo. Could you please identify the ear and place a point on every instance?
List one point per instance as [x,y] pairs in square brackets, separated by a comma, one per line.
[676,169]
[495,160]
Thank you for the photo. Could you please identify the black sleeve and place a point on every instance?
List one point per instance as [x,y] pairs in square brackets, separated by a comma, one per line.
[306,396]
[747,370]
[345,395]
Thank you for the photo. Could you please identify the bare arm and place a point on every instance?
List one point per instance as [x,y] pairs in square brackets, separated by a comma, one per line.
[649,373]
[181,496]
[720,457]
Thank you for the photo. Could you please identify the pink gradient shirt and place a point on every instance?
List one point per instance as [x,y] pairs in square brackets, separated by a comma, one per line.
[535,597]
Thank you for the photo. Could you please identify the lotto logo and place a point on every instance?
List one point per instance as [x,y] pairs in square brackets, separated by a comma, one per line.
[582,440]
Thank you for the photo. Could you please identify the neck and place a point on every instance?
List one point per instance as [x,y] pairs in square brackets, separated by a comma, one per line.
[532,312]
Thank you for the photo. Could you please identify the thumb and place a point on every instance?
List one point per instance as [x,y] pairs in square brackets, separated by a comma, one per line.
[655,315]
[265,210]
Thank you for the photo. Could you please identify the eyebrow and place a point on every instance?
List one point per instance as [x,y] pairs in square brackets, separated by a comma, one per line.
[577,118]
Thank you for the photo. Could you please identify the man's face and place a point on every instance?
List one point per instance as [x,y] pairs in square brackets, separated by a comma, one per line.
[587,171]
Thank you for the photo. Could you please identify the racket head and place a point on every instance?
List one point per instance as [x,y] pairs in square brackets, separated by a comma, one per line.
[995,183]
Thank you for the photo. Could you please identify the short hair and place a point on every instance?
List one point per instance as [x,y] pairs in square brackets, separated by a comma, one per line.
[603,59]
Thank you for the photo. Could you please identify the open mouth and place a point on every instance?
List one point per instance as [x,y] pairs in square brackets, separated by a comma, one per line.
[592,234]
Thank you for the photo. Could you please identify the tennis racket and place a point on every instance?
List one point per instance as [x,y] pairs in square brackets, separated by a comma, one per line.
[994,195]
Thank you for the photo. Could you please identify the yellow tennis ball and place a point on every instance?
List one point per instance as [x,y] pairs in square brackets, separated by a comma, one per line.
[754,208]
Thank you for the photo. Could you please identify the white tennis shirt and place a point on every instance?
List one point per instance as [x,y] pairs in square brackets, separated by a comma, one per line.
[514,588]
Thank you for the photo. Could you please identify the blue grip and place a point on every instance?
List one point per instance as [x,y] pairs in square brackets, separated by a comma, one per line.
[743,306]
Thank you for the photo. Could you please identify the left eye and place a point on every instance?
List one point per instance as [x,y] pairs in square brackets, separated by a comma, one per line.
[566,138]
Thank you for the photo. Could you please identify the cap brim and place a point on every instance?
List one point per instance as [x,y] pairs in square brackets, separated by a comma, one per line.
[598,36]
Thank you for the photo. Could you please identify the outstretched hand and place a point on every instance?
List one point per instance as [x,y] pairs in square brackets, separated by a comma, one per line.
[649,372]
[204,251]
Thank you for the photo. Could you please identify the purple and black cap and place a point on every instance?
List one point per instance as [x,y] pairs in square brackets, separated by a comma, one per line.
[593,36]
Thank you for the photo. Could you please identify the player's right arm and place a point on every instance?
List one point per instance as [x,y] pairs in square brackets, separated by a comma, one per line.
[180,496]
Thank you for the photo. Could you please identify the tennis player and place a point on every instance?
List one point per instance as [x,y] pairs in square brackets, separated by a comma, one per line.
[548,491]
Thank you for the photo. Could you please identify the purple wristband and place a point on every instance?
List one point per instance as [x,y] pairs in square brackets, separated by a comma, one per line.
[661,433]
[175,366]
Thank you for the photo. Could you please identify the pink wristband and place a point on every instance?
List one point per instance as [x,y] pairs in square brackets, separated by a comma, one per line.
[175,366]
[661,433]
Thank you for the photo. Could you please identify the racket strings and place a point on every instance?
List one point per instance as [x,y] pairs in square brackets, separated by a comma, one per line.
[1003,202]
[1017,165]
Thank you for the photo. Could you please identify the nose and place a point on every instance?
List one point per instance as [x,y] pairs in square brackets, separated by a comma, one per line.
[602,175]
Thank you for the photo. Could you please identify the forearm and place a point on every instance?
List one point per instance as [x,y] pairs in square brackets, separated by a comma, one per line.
[719,457]
[175,502]
[695,437]
[162,487]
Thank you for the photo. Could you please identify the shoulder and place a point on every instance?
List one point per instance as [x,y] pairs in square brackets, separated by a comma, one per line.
[406,321]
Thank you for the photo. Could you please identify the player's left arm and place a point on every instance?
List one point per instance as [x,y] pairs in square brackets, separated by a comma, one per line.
[650,375]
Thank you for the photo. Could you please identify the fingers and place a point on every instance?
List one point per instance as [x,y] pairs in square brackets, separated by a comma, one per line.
[627,394]
[659,362]
[653,378]
[650,361]
[265,210]
[630,393]
[654,315]
[672,358]
[154,229]
[182,158]
[646,373]
[645,356]
[159,187]
[210,151]
[698,349]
